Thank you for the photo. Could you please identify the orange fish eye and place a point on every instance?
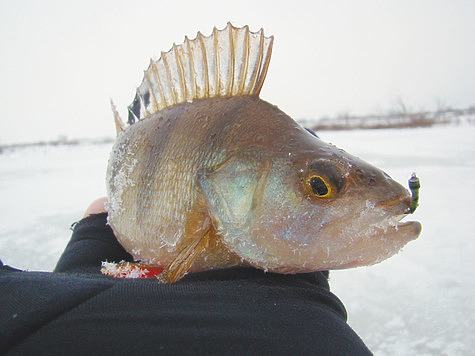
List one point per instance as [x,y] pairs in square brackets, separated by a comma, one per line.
[319,187]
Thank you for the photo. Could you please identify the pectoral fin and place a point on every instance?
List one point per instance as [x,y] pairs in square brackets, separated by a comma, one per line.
[177,269]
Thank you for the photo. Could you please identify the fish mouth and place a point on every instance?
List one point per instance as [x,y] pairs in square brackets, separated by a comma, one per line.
[395,229]
[392,227]
[380,242]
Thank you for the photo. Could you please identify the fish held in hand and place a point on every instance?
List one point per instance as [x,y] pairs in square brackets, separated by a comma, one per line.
[207,175]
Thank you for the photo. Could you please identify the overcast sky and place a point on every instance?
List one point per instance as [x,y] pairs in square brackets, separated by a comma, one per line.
[61,61]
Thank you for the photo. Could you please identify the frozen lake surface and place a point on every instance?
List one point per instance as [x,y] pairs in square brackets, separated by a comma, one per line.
[419,302]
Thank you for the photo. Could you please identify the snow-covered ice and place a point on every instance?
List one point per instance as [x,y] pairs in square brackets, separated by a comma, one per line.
[42,191]
[419,302]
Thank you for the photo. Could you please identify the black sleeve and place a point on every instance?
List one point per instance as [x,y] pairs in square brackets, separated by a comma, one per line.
[91,243]
[226,312]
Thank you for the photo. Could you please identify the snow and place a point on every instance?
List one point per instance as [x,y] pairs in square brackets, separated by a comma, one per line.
[43,191]
[419,302]
[123,270]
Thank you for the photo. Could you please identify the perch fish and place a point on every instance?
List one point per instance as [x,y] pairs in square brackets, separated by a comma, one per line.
[207,175]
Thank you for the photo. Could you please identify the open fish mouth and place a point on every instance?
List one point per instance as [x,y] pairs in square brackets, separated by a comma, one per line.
[379,242]
[407,230]
[394,228]
[410,229]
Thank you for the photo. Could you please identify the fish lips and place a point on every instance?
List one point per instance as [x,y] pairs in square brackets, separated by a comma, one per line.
[399,208]
[393,228]
[387,241]
[404,231]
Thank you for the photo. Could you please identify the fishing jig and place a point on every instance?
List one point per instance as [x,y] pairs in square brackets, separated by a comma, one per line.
[414,185]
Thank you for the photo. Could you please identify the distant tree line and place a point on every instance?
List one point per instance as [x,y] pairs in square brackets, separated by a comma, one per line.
[398,119]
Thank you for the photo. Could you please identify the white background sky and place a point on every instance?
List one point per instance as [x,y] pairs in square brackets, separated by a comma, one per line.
[61,61]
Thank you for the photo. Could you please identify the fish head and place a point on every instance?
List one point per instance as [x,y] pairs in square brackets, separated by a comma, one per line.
[314,208]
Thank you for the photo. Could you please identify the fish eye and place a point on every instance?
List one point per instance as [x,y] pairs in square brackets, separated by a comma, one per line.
[319,186]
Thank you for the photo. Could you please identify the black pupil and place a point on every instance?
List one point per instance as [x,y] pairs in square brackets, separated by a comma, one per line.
[318,186]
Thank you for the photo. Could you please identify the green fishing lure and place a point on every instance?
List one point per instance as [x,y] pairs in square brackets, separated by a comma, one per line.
[414,185]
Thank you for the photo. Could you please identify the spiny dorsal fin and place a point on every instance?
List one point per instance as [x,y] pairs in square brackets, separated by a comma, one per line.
[119,124]
[230,62]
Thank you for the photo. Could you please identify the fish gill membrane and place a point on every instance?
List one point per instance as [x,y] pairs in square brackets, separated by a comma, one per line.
[206,175]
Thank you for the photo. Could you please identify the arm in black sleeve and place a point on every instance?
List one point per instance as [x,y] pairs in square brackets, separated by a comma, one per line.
[233,311]
[91,243]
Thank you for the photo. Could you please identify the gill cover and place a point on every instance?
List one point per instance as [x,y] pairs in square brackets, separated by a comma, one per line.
[232,190]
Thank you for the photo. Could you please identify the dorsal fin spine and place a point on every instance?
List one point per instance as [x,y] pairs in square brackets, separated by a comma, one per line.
[169,79]
[265,66]
[259,62]
[205,67]
[147,75]
[131,113]
[181,75]
[159,84]
[143,105]
[216,62]
[242,76]
[192,69]
[119,124]
[230,81]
